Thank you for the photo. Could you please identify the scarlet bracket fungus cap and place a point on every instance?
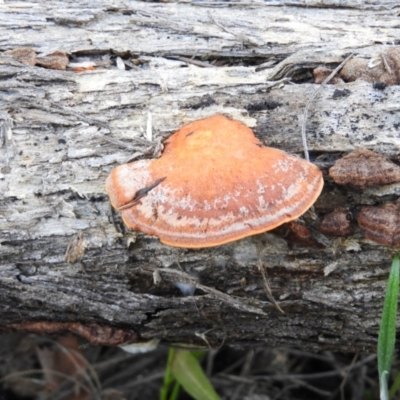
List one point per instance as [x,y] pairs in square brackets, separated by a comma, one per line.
[214,183]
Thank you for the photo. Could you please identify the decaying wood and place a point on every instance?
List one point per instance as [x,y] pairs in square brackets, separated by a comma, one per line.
[66,258]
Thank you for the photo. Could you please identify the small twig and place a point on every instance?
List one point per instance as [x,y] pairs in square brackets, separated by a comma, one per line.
[303,125]
[346,376]
[91,378]
[28,372]
[141,380]
[242,38]
[265,65]
[271,84]
[246,368]
[125,145]
[180,276]
[264,274]
[140,194]
[312,388]
[192,61]
[317,375]
[131,65]
[386,64]
[251,380]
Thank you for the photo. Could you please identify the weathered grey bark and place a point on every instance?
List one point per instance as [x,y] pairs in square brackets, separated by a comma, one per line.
[63,132]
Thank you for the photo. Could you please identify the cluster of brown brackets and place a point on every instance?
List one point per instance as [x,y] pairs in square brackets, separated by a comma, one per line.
[362,169]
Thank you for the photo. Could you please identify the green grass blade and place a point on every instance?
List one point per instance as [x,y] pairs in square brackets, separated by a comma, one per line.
[188,372]
[395,387]
[175,391]
[169,378]
[387,332]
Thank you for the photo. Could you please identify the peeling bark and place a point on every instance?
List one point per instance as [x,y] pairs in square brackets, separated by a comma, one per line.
[62,132]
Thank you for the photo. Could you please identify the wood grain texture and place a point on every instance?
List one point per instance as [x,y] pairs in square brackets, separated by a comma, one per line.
[62,132]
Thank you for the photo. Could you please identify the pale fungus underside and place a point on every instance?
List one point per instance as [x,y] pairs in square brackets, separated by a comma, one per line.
[214,183]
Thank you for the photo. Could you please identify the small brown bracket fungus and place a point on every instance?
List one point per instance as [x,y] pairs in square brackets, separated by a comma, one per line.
[384,68]
[363,168]
[381,224]
[214,183]
[337,223]
[321,73]
[301,235]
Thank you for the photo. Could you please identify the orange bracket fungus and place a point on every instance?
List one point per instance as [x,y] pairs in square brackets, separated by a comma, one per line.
[214,183]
